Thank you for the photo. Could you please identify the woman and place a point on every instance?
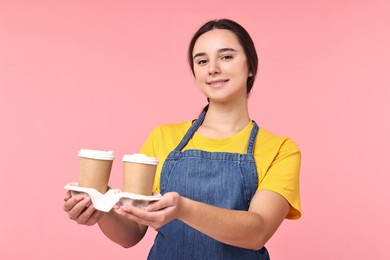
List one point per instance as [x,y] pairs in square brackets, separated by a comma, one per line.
[227,185]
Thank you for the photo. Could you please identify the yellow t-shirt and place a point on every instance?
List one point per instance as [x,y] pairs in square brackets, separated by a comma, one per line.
[277,158]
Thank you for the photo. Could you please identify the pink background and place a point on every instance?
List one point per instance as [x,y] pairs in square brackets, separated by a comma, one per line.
[102,74]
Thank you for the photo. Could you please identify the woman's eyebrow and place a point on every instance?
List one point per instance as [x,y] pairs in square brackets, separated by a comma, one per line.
[220,50]
[226,49]
[198,55]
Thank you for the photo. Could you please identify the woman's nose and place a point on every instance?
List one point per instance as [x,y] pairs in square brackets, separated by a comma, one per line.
[213,68]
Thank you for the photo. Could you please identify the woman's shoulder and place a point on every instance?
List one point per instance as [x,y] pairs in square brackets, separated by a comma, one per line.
[163,138]
[269,140]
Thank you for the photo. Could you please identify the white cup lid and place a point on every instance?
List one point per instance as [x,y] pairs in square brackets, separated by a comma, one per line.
[96,154]
[140,158]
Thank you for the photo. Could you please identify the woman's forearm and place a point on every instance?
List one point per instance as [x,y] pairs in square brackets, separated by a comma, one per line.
[233,227]
[121,230]
[248,229]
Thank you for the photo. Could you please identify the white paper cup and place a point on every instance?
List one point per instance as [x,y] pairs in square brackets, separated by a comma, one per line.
[96,154]
[95,169]
[139,172]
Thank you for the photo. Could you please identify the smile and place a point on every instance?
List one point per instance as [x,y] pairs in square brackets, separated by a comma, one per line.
[217,83]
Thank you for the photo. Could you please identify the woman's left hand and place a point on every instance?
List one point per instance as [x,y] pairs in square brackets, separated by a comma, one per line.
[157,213]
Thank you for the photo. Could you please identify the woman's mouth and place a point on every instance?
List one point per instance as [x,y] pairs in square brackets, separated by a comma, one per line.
[217,83]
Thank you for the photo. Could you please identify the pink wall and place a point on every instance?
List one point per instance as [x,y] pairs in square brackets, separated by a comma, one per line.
[101,74]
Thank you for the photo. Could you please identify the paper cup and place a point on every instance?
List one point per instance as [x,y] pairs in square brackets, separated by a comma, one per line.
[139,171]
[95,169]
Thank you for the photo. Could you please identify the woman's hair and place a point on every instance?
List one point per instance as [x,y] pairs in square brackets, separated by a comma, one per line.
[242,36]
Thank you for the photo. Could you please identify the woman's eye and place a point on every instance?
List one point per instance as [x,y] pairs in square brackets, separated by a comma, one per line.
[201,62]
[226,57]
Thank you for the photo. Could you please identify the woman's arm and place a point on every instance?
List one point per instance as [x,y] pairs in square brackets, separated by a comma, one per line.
[248,229]
[120,230]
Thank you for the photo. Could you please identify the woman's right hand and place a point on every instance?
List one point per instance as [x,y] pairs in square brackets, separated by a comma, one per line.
[81,210]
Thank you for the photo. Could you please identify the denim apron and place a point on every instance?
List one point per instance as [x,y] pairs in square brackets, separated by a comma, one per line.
[226,180]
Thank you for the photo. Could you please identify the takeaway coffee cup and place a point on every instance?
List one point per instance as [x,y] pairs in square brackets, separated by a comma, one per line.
[95,169]
[139,171]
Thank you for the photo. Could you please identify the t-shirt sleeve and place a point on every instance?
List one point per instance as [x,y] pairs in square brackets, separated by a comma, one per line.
[282,176]
[148,148]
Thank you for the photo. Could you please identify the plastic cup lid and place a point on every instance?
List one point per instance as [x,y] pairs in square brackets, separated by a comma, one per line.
[140,158]
[96,154]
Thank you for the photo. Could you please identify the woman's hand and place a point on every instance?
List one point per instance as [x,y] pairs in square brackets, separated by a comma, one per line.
[156,214]
[80,209]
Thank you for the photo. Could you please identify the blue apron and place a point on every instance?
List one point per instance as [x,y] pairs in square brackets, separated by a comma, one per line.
[226,180]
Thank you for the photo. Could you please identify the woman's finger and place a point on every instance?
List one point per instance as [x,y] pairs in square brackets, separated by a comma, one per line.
[154,219]
[72,202]
[81,206]
[95,217]
[168,200]
[85,215]
[67,196]
[129,214]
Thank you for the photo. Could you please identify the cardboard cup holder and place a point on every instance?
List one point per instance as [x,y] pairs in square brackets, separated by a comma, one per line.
[105,202]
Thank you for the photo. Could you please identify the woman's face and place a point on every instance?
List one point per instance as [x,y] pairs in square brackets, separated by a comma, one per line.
[220,66]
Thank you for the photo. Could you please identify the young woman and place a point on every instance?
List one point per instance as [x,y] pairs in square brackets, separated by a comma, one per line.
[227,184]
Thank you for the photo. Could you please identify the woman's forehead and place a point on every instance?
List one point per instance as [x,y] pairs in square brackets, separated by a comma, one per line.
[215,40]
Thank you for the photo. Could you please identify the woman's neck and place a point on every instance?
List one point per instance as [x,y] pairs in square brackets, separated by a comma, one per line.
[223,121]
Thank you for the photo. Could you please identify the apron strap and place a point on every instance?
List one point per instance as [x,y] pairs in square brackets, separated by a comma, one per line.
[252,138]
[190,132]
